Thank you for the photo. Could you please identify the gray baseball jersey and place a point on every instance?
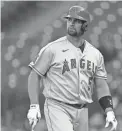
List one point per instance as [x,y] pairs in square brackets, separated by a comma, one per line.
[67,72]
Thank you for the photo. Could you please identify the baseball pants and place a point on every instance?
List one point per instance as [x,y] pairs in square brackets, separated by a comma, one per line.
[62,117]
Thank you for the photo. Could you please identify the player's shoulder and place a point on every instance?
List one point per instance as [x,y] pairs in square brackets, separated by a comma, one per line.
[58,42]
[51,47]
[54,44]
[92,48]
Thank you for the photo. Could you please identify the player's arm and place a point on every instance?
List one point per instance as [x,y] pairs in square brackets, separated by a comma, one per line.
[33,87]
[34,114]
[103,93]
[105,100]
[39,69]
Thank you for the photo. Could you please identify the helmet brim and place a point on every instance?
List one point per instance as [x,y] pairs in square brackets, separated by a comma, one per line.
[76,17]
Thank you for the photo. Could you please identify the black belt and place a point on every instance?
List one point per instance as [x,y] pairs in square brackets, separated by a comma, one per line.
[78,106]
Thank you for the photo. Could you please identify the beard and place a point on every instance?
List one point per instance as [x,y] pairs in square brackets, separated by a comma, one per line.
[73,32]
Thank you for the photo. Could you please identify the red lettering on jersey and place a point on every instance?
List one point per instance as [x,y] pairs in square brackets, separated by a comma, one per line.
[73,63]
[65,66]
[82,63]
[93,70]
[88,65]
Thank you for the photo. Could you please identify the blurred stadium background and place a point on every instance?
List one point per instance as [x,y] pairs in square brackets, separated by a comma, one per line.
[27,26]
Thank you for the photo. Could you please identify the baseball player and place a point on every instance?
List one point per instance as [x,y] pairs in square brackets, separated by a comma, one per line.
[68,68]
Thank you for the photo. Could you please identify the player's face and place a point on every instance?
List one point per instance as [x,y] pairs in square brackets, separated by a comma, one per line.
[74,27]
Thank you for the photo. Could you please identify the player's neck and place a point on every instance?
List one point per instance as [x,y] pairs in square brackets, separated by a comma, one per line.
[75,41]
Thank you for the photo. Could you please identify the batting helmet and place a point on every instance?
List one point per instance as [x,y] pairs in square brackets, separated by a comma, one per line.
[78,12]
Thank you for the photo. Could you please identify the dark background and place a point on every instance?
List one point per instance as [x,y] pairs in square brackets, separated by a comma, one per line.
[27,26]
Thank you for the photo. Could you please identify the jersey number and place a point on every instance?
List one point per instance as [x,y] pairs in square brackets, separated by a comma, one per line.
[90,80]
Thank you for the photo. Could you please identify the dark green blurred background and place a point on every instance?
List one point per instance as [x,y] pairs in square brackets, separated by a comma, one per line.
[28,26]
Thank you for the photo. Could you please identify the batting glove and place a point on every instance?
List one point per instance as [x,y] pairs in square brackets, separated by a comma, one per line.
[110,118]
[34,115]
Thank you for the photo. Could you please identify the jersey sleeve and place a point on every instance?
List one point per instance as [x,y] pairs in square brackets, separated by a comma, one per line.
[42,62]
[100,70]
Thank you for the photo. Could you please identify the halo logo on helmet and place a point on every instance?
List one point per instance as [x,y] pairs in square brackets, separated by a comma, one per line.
[78,12]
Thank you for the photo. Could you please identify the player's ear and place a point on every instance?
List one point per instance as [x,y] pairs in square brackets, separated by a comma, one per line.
[85,26]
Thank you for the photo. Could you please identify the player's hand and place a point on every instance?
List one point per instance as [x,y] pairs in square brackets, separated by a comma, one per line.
[110,119]
[34,115]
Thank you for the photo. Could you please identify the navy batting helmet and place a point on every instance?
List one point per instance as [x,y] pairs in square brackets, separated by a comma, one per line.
[78,12]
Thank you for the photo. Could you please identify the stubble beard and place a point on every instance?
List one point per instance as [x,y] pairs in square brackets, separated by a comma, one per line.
[72,33]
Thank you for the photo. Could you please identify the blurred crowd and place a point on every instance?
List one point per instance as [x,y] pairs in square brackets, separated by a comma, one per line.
[28,26]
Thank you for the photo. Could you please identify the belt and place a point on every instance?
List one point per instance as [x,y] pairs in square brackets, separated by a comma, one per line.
[78,106]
